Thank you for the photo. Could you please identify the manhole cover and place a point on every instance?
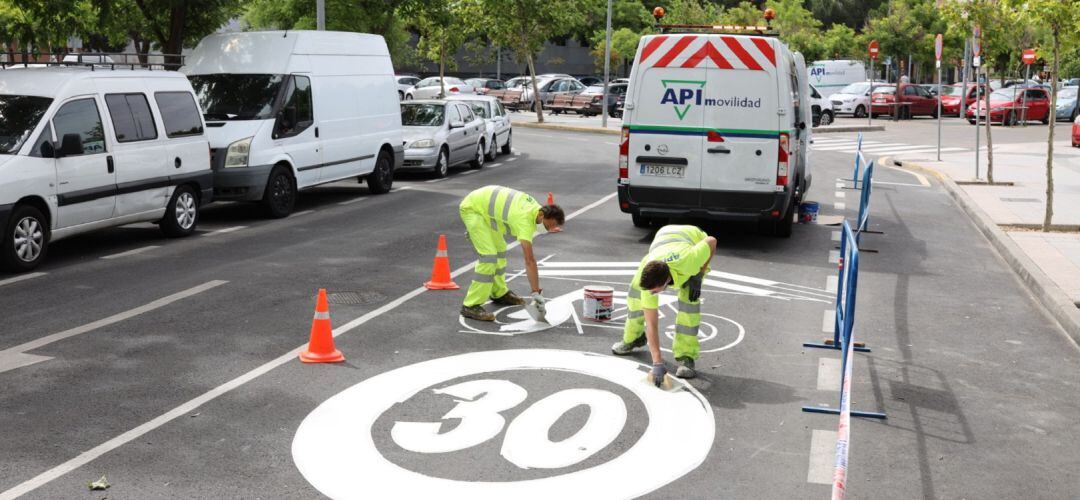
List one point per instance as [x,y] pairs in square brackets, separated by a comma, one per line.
[354,298]
[1021,200]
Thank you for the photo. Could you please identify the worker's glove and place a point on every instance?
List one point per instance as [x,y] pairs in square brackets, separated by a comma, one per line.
[540,301]
[693,287]
[657,373]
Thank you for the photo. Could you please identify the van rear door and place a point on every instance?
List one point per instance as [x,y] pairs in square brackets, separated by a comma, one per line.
[664,155]
[741,103]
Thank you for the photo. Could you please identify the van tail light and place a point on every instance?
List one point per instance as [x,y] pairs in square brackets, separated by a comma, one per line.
[624,157]
[782,162]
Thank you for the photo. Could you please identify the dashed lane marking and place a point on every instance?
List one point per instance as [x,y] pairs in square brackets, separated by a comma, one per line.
[436,180]
[828,320]
[839,206]
[836,235]
[496,165]
[834,256]
[305,212]
[512,159]
[16,357]
[830,283]
[350,202]
[225,230]
[828,374]
[130,252]
[22,277]
[822,457]
[840,194]
[469,172]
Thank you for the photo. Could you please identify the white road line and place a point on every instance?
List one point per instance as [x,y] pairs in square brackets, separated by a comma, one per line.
[920,177]
[834,256]
[840,194]
[495,165]
[851,148]
[469,172]
[898,184]
[828,374]
[225,230]
[354,200]
[186,408]
[16,357]
[836,235]
[130,252]
[822,457]
[512,159]
[831,282]
[436,180]
[828,321]
[516,152]
[839,185]
[305,212]
[22,277]
[924,149]
[403,188]
[839,206]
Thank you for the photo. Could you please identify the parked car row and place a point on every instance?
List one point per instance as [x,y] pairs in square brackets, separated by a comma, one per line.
[440,134]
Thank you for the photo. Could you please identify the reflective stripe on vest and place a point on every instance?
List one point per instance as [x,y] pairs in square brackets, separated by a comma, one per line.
[509,202]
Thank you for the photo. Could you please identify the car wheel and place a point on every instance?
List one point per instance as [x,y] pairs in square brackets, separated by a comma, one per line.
[971,121]
[874,116]
[1010,119]
[182,213]
[493,149]
[381,179]
[442,165]
[26,239]
[1046,119]
[506,147]
[933,113]
[478,160]
[783,226]
[860,111]
[640,221]
[408,97]
[280,195]
[826,118]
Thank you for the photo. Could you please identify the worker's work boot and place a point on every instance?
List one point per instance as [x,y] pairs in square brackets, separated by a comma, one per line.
[509,299]
[686,368]
[622,349]
[477,312]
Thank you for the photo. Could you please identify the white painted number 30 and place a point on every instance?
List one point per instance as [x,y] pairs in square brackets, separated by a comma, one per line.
[335,446]
[526,444]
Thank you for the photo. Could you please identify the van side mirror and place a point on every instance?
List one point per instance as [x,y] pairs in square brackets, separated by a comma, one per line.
[70,145]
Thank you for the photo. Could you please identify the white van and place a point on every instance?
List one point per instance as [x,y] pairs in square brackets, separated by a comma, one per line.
[716,127]
[288,110]
[831,76]
[82,150]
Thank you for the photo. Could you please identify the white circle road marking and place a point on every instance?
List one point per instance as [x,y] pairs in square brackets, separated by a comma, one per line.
[335,451]
[713,331]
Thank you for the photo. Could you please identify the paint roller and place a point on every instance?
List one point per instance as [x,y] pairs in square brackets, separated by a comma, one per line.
[536,311]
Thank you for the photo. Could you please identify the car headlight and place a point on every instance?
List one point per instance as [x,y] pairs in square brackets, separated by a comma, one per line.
[422,143]
[237,154]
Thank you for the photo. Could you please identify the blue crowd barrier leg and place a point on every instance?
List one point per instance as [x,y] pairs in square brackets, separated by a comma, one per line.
[834,411]
[829,344]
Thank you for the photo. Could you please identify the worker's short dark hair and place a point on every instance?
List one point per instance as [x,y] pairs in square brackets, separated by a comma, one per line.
[656,274]
[554,212]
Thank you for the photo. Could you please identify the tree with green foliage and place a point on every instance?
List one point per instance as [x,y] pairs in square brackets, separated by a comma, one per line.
[523,26]
[629,14]
[624,42]
[443,29]
[690,12]
[46,24]
[798,27]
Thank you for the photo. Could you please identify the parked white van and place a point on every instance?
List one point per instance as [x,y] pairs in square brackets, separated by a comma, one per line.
[716,127]
[288,110]
[82,150]
[831,76]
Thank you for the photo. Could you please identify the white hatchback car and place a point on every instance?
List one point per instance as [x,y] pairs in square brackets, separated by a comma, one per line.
[83,150]
[429,88]
[498,122]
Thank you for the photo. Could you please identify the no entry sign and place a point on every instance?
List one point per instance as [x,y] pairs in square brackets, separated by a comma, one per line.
[937,47]
[976,42]
[1029,56]
[873,49]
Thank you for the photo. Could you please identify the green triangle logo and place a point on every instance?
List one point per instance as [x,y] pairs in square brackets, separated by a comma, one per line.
[682,114]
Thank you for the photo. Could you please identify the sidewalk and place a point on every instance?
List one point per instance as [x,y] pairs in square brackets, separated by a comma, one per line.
[1010,216]
[572,122]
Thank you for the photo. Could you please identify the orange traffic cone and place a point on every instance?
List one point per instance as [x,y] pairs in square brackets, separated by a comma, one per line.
[440,270]
[551,199]
[321,346]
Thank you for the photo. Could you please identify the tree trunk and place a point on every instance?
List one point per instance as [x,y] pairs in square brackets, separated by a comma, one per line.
[1049,215]
[989,141]
[442,70]
[174,44]
[537,102]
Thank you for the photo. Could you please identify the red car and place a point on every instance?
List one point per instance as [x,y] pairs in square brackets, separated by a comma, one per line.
[1076,132]
[919,101]
[1006,106]
[950,98]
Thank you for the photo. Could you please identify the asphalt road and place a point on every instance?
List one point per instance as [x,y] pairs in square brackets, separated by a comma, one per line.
[170,366]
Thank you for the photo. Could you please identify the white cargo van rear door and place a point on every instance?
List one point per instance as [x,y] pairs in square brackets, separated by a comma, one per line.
[740,106]
[665,126]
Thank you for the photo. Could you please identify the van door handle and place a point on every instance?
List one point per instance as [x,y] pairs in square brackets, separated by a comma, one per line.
[316,132]
[109,163]
[178,162]
[719,149]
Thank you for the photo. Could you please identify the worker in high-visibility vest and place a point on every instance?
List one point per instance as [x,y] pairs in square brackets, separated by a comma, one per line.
[679,256]
[490,213]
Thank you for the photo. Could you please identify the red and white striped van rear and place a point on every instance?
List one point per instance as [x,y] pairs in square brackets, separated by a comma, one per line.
[715,128]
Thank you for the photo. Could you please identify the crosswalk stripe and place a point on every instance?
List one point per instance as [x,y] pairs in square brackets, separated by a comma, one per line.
[853,146]
[922,150]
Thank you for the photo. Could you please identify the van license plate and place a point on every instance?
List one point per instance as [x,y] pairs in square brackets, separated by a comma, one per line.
[664,170]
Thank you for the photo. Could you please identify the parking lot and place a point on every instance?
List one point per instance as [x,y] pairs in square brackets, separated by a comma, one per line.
[170,367]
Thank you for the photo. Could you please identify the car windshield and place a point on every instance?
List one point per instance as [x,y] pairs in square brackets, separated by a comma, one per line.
[1067,94]
[237,97]
[480,108]
[856,88]
[1008,94]
[19,115]
[884,90]
[422,115]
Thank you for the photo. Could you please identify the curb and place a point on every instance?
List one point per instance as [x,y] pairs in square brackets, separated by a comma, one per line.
[1045,291]
[829,129]
[566,128]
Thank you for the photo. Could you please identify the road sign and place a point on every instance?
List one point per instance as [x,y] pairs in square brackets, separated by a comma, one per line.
[873,49]
[1029,56]
[976,47]
[975,61]
[937,47]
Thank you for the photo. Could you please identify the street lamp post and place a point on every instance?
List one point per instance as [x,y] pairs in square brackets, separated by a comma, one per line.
[320,15]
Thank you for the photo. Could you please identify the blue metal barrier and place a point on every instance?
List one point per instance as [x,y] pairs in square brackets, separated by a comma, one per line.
[845,319]
[864,202]
[859,161]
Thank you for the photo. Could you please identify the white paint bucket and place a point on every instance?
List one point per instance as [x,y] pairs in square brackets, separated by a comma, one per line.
[598,303]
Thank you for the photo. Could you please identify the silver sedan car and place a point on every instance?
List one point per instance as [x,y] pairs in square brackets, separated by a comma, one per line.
[498,122]
[442,134]
[429,88]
